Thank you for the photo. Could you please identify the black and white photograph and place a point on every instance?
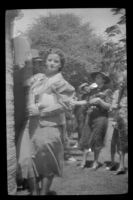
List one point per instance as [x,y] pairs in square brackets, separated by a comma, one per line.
[66,101]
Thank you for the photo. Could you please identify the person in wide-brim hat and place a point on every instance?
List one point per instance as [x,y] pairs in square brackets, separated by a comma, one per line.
[94,130]
[105,76]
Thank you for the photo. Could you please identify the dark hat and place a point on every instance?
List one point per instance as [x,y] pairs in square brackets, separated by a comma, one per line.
[35,55]
[104,75]
[37,59]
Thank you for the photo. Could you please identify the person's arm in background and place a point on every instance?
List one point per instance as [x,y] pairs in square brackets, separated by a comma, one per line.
[115,97]
[32,106]
[103,102]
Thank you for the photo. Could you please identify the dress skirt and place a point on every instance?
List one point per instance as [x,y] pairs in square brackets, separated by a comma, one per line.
[39,151]
[120,136]
[93,135]
[48,151]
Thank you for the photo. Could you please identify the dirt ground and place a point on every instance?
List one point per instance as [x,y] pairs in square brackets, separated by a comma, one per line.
[77,181]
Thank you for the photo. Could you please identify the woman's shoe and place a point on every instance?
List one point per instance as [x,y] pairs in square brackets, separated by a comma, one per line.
[72,159]
[95,166]
[75,146]
[82,166]
[120,171]
[111,168]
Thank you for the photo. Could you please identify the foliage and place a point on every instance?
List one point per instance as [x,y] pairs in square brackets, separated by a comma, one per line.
[81,46]
[114,59]
[121,11]
[84,51]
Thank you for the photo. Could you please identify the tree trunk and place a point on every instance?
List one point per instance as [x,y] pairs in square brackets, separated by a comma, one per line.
[11,149]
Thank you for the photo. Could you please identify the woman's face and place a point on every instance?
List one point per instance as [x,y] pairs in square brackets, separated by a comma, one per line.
[99,80]
[53,63]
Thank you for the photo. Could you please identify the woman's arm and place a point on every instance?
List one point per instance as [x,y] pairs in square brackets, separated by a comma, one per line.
[104,104]
[32,106]
[74,102]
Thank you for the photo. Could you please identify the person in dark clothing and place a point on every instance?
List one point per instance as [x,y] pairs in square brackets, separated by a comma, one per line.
[96,122]
[80,111]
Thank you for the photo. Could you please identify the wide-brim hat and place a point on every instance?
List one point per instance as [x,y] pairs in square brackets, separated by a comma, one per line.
[104,75]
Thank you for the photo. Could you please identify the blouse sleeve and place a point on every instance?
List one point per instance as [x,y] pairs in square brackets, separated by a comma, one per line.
[35,81]
[65,93]
[31,100]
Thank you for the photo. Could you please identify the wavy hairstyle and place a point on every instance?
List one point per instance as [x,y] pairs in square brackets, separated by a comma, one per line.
[59,53]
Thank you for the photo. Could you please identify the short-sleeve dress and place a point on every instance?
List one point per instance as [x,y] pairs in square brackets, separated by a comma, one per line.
[40,148]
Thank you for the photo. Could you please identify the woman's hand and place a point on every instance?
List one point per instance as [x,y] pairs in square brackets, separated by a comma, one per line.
[114,107]
[33,110]
[76,103]
[95,101]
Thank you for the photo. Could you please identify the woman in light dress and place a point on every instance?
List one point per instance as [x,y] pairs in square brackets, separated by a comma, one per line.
[40,147]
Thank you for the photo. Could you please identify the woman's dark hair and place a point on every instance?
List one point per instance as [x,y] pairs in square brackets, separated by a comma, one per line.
[59,53]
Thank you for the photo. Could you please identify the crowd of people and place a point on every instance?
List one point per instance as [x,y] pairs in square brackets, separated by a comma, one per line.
[54,108]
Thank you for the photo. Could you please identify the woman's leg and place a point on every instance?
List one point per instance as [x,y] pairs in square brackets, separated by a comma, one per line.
[122,146]
[121,168]
[32,186]
[46,183]
[114,144]
[97,138]
[96,156]
[85,154]
[113,155]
